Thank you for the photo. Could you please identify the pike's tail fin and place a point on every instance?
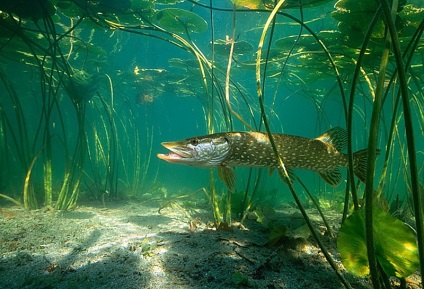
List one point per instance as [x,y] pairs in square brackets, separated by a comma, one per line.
[360,163]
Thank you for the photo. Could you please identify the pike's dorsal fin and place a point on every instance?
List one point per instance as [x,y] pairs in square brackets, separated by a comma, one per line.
[228,176]
[336,136]
[332,177]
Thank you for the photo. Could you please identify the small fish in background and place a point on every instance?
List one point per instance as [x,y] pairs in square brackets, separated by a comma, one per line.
[253,149]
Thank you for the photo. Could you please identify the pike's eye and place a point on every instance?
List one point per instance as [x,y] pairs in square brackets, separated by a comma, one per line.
[194,142]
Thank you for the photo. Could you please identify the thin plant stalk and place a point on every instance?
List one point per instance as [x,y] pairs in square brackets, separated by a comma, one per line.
[372,152]
[349,121]
[409,129]
[281,168]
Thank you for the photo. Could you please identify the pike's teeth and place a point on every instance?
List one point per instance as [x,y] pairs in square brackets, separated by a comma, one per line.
[174,155]
[170,156]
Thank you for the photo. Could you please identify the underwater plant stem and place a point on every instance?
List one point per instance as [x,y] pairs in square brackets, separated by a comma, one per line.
[247,204]
[230,57]
[272,15]
[210,99]
[71,42]
[409,130]
[324,219]
[214,200]
[227,75]
[72,176]
[111,166]
[349,121]
[371,160]
[315,234]
[29,199]
[281,168]
[227,218]
[48,176]
[19,204]
[111,93]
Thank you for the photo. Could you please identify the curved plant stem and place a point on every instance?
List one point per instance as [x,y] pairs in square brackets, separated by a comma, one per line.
[409,129]
[320,212]
[281,169]
[29,199]
[19,204]
[372,150]
[349,121]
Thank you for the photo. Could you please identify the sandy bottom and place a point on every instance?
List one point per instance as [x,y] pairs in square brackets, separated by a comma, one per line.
[136,245]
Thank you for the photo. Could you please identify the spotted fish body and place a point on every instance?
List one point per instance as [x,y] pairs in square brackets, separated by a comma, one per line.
[253,149]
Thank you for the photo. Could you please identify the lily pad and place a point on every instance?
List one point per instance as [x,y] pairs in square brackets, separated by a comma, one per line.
[251,4]
[29,9]
[269,4]
[395,245]
[181,21]
[113,6]
[168,2]
[411,13]
[354,18]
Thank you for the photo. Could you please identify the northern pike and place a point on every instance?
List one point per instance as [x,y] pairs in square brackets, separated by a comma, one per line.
[253,149]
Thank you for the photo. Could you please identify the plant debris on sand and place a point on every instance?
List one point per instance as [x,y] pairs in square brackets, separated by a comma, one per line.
[132,245]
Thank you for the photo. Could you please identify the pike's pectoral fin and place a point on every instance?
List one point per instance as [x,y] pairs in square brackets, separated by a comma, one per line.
[332,177]
[228,176]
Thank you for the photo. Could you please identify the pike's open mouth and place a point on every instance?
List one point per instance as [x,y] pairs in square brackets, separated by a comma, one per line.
[175,155]
[170,156]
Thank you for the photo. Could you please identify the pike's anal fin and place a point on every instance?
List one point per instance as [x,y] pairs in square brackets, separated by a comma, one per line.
[228,176]
[332,177]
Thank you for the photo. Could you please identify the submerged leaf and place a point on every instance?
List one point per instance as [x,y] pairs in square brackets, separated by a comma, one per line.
[395,245]
[81,85]
[181,21]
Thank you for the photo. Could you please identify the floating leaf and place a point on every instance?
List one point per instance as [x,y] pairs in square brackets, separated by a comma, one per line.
[395,245]
[412,14]
[181,21]
[294,3]
[168,2]
[141,5]
[357,6]
[251,4]
[29,9]
[354,18]
[113,6]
